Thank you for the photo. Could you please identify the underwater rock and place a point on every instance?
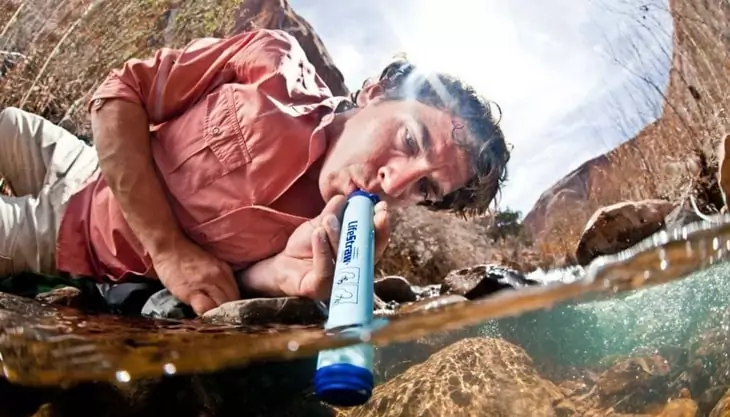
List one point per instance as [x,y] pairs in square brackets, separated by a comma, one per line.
[482,280]
[722,409]
[634,384]
[280,310]
[681,407]
[394,288]
[614,228]
[475,376]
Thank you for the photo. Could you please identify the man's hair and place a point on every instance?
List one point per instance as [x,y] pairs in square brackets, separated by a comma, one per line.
[480,134]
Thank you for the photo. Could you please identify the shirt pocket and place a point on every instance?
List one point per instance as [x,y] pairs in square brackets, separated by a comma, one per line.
[246,234]
[203,145]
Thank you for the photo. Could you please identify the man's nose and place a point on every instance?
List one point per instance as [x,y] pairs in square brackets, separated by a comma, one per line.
[397,182]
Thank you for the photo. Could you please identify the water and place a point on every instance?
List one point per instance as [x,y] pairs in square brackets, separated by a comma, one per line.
[579,315]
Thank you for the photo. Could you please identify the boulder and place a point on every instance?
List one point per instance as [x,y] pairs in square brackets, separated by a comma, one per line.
[473,377]
[394,288]
[619,226]
[483,280]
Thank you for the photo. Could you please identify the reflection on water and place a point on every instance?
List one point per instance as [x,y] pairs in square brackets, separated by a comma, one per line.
[62,346]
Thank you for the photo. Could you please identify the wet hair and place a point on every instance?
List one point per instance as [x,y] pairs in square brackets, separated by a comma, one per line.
[479,134]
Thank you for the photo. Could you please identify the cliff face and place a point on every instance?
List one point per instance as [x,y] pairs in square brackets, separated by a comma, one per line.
[657,162]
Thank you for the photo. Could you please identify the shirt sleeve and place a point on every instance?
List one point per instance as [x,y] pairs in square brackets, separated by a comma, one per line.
[166,84]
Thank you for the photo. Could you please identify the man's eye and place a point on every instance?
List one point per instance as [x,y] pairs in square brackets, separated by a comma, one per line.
[411,143]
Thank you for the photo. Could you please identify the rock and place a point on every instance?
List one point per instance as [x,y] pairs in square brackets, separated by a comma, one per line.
[282,310]
[722,409]
[483,280]
[634,384]
[681,407]
[426,291]
[711,398]
[394,359]
[65,296]
[394,288]
[473,377]
[617,227]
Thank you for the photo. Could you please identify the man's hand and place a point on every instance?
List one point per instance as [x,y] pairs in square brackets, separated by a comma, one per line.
[306,265]
[195,277]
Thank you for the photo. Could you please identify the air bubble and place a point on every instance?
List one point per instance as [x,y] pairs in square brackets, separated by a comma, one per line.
[123,376]
[169,369]
[365,336]
[293,346]
[715,243]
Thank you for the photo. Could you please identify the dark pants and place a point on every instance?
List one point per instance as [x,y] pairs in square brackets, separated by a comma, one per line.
[145,297]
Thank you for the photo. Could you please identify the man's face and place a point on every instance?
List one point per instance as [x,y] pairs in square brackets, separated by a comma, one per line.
[401,150]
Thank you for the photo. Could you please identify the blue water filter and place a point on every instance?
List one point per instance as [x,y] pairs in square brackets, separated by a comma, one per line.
[344,376]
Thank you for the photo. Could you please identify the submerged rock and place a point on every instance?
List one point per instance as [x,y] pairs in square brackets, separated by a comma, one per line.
[472,377]
[681,407]
[722,409]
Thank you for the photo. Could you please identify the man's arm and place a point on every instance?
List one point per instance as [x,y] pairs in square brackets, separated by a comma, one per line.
[122,140]
[151,91]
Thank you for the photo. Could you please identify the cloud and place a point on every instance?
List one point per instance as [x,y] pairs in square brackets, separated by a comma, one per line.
[550,64]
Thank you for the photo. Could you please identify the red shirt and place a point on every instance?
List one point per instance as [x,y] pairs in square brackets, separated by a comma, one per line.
[235,124]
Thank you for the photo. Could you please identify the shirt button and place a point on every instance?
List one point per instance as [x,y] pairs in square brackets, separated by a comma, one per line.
[216,131]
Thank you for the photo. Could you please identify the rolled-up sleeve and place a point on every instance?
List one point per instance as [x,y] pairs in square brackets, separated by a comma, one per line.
[166,84]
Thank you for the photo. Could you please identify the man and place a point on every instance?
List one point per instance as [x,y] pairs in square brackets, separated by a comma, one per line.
[219,169]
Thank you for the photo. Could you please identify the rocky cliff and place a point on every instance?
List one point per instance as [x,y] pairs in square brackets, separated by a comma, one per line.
[657,162]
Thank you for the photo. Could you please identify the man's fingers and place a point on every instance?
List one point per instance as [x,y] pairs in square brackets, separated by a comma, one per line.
[381,222]
[332,227]
[217,294]
[323,266]
[201,302]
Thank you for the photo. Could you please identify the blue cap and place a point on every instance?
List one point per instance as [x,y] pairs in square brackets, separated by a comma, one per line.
[373,197]
[343,384]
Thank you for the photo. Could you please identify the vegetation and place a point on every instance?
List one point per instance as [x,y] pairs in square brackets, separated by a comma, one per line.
[676,154]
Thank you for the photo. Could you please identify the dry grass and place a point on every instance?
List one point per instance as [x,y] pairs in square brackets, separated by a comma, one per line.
[70,46]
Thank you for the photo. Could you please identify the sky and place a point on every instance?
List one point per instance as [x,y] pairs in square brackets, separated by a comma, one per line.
[574,78]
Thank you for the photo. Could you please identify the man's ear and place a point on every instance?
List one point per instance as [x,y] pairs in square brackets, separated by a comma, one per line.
[371,91]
